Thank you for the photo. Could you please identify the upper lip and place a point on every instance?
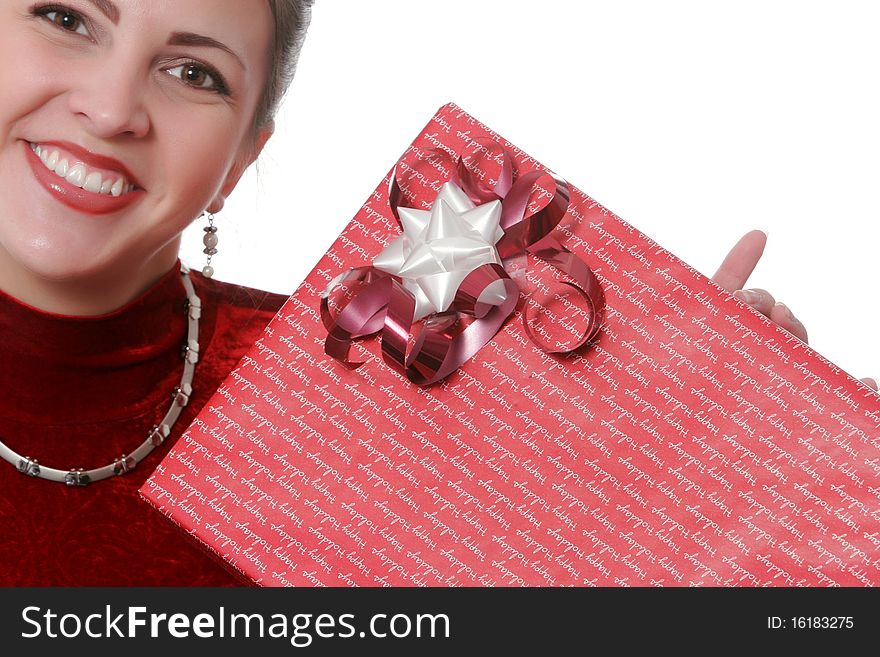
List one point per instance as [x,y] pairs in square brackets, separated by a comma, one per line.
[91,159]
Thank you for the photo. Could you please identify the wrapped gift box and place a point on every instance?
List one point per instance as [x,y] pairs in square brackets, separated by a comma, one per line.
[693,443]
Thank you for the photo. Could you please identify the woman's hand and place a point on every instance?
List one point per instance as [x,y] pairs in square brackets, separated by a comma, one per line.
[735,271]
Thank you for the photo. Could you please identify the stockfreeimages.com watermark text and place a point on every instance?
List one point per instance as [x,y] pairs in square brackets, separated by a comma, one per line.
[300,629]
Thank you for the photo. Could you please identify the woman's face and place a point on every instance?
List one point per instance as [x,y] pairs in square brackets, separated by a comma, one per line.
[151,105]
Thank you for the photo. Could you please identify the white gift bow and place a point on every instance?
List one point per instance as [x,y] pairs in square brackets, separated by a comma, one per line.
[440,247]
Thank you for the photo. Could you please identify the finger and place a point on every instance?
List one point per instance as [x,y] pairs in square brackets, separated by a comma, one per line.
[871,383]
[760,300]
[782,315]
[740,262]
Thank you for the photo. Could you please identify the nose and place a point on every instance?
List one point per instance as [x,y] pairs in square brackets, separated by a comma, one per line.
[109,100]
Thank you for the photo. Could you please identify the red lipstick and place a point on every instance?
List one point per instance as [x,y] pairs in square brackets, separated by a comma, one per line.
[75,197]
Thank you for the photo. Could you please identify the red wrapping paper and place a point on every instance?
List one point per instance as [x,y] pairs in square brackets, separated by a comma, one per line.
[696,443]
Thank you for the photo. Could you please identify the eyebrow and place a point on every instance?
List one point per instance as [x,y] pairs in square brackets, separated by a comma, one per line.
[107,8]
[192,39]
[111,11]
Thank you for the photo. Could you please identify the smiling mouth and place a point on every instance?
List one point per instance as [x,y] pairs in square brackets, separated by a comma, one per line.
[68,167]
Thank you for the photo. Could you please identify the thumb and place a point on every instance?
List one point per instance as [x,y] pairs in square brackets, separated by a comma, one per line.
[741,261]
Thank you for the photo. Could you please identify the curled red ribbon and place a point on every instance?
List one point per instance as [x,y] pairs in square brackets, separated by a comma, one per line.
[445,341]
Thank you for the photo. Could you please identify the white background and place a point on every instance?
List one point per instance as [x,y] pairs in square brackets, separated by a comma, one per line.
[693,121]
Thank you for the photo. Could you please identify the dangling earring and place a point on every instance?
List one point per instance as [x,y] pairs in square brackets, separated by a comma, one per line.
[210,242]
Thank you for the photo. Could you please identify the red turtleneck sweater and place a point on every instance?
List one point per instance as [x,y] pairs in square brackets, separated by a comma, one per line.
[79,392]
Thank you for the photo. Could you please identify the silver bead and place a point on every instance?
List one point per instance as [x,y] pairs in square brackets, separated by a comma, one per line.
[180,397]
[124,464]
[29,466]
[77,478]
[158,434]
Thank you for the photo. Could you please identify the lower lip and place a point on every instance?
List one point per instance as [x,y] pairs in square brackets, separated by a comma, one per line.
[75,197]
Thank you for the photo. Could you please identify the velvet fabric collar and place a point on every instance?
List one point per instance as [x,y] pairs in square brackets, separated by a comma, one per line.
[80,392]
[79,370]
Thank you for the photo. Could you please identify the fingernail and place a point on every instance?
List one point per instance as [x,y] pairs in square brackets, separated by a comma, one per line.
[876,382]
[787,310]
[746,295]
[765,231]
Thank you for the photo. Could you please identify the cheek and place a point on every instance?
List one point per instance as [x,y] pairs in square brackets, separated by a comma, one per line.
[16,45]
[22,74]
[197,145]
[32,75]
[195,151]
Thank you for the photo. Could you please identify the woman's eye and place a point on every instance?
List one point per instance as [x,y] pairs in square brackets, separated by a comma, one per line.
[67,21]
[197,76]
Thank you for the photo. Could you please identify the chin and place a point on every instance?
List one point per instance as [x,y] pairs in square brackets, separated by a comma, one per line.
[39,260]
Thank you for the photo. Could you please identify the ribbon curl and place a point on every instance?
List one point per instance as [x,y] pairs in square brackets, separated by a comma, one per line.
[444,274]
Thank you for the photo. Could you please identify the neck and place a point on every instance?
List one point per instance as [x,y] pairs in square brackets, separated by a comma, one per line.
[87,295]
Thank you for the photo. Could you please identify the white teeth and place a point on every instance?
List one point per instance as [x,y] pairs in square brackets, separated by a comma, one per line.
[77,173]
[93,183]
